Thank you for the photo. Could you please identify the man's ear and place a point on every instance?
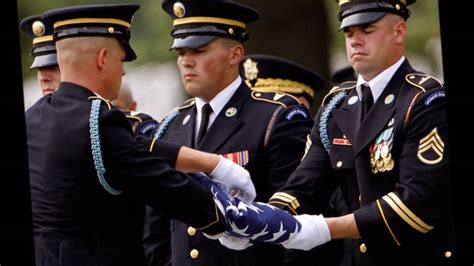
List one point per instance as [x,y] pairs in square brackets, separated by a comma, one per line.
[400,32]
[237,52]
[102,59]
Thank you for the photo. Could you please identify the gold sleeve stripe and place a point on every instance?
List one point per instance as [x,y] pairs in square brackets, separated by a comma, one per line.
[213,222]
[284,195]
[284,204]
[386,224]
[286,198]
[408,216]
[152,144]
[292,203]
[408,211]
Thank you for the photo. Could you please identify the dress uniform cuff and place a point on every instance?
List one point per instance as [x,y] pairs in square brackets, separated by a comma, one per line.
[374,225]
[166,150]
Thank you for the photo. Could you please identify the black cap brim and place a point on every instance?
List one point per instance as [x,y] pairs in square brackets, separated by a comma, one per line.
[361,18]
[192,41]
[46,60]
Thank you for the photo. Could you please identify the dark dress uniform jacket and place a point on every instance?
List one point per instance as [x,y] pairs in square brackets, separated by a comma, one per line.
[76,221]
[272,156]
[400,199]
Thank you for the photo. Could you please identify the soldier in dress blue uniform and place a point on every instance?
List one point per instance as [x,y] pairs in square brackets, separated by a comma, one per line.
[263,131]
[390,159]
[43,52]
[88,173]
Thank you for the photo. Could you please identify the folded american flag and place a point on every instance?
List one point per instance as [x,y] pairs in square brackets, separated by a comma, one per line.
[259,222]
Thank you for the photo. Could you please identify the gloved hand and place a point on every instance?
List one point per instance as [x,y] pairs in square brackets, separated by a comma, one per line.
[261,222]
[314,232]
[234,180]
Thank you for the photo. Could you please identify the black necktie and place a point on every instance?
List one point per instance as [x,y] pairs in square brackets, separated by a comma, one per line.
[367,100]
[206,110]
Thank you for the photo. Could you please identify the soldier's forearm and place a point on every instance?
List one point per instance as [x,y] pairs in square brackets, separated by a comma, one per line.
[190,160]
[343,227]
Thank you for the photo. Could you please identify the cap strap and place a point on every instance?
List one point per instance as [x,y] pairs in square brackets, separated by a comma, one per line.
[224,21]
[91,20]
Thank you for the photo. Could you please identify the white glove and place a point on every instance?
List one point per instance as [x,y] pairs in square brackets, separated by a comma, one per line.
[314,232]
[234,180]
[234,243]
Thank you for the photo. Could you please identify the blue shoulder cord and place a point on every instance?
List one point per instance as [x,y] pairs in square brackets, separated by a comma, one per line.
[323,121]
[96,149]
[165,124]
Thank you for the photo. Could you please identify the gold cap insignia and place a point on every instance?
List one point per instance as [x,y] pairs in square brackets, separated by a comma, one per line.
[38,28]
[251,70]
[431,148]
[179,10]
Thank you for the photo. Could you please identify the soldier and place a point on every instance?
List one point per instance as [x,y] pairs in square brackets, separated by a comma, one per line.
[141,123]
[382,140]
[266,73]
[263,131]
[389,159]
[87,171]
[43,52]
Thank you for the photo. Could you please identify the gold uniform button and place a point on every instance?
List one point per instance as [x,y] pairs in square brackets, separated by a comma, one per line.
[448,254]
[339,164]
[191,231]
[194,253]
[362,248]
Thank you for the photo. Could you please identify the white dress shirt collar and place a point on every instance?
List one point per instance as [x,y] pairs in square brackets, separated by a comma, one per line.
[379,82]
[217,103]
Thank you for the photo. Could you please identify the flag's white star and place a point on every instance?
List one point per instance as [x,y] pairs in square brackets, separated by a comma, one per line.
[278,234]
